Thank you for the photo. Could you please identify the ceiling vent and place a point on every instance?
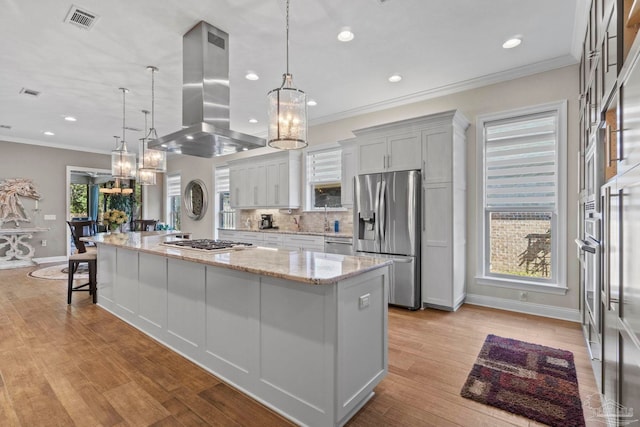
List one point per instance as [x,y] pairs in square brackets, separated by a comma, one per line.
[30,92]
[133,129]
[5,127]
[81,18]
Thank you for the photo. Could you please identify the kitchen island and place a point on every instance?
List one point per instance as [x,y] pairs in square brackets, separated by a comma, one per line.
[305,333]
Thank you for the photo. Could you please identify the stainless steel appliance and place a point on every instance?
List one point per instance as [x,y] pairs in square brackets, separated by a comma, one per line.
[338,245]
[208,245]
[266,221]
[386,219]
[205,99]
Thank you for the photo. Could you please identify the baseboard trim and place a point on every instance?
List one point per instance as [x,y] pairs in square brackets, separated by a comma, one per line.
[553,312]
[47,260]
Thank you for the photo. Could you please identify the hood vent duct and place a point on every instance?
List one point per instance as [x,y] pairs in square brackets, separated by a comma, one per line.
[205,99]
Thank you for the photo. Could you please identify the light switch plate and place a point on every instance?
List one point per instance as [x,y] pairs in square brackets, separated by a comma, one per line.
[364,301]
[49,217]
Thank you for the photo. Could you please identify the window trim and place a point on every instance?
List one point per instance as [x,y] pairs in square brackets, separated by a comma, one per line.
[307,194]
[559,286]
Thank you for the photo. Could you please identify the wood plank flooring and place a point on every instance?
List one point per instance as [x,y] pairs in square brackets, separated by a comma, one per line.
[78,365]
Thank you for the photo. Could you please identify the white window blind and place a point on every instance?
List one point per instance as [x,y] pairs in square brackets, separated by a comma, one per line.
[222,180]
[324,166]
[520,162]
[173,185]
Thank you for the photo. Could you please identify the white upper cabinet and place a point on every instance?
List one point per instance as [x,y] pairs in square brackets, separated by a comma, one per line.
[269,181]
[388,148]
[437,155]
[349,171]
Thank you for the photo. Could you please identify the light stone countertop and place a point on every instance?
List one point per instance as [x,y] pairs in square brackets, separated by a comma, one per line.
[315,268]
[277,230]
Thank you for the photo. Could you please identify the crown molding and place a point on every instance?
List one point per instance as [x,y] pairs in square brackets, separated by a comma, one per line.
[29,141]
[489,79]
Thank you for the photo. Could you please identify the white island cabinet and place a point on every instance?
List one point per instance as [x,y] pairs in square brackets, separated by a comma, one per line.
[304,333]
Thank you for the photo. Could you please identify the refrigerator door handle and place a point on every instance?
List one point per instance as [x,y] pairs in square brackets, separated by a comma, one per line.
[382,209]
[376,212]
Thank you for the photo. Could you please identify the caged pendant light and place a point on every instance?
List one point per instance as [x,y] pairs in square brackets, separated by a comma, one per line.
[146,176]
[287,111]
[155,160]
[123,163]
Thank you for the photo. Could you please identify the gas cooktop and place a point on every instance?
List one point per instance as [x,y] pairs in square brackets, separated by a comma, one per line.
[208,244]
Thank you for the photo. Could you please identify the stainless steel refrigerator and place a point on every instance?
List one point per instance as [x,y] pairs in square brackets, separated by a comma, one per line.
[386,224]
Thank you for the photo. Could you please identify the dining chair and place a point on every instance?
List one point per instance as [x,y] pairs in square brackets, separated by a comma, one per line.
[81,255]
[144,224]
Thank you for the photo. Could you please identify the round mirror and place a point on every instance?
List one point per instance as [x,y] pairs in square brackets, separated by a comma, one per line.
[195,199]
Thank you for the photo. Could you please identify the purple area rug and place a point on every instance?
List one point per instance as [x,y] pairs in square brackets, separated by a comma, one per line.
[531,380]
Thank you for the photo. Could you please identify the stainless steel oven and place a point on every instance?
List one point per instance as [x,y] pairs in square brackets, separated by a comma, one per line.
[591,261]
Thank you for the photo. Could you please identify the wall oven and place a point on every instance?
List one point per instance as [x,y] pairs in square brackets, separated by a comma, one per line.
[591,260]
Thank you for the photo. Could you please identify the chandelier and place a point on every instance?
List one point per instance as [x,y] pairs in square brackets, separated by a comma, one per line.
[287,111]
[146,176]
[123,163]
[154,160]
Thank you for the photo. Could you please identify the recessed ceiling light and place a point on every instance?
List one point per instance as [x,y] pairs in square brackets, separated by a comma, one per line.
[245,149]
[512,42]
[70,119]
[189,137]
[251,76]
[253,121]
[395,78]
[48,133]
[346,35]
[312,103]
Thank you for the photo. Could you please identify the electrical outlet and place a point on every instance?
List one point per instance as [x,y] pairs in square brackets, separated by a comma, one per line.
[49,217]
[43,242]
[523,296]
[364,301]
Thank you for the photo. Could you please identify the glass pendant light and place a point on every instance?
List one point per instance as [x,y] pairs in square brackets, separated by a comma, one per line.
[145,176]
[123,163]
[287,111]
[155,160]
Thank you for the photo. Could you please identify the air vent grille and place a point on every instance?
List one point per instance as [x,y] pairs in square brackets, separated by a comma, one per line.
[81,18]
[133,129]
[5,127]
[30,92]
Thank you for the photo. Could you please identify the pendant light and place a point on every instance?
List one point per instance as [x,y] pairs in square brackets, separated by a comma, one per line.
[287,111]
[155,160]
[145,176]
[123,163]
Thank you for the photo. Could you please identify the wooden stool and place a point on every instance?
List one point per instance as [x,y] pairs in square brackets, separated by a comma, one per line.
[82,255]
[75,260]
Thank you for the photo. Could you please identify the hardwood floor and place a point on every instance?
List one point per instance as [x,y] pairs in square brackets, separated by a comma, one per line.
[79,365]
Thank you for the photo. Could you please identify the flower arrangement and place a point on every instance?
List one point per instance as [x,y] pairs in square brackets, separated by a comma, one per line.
[114,219]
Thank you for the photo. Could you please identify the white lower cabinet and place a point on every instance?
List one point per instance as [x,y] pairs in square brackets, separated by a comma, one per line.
[304,243]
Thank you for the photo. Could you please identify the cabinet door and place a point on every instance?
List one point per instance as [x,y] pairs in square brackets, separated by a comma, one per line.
[630,235]
[404,152]
[372,155]
[437,152]
[629,151]
[237,179]
[437,262]
[277,173]
[349,167]
[257,188]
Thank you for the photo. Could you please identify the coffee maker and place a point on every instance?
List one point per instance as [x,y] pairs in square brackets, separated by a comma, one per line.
[266,221]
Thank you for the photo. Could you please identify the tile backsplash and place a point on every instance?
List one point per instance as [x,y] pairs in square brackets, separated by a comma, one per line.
[308,221]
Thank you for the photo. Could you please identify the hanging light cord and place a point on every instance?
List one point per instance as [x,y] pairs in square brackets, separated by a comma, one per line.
[153,99]
[123,112]
[287,36]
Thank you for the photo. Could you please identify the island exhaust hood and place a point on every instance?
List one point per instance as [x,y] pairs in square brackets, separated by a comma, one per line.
[205,99]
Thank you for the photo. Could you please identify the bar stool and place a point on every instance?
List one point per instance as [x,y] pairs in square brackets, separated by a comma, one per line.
[82,255]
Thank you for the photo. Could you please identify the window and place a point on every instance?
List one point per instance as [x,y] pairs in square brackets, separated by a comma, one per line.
[173,200]
[324,178]
[523,188]
[226,215]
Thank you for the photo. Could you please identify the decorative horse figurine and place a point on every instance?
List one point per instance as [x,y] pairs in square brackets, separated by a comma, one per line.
[11,208]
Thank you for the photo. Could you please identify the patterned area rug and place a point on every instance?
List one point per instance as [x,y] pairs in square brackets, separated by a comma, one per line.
[532,380]
[60,272]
